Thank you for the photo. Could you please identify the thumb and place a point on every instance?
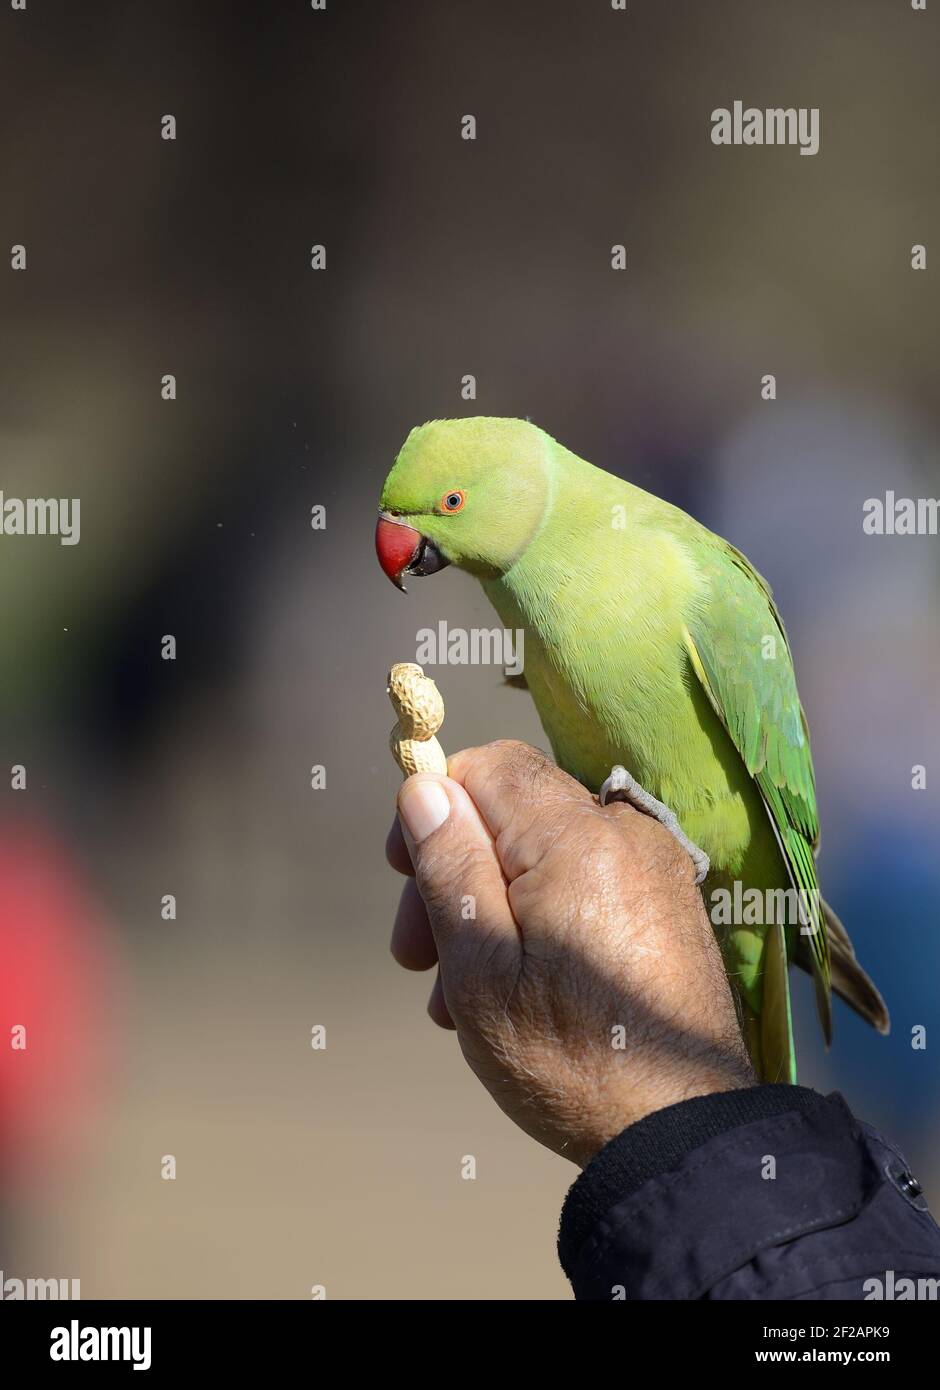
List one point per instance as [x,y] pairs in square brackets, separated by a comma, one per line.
[456,868]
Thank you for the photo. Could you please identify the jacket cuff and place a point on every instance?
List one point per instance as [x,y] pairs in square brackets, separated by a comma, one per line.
[657,1144]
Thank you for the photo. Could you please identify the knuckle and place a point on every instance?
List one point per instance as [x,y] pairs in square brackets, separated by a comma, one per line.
[602,863]
[516,763]
[651,844]
[557,833]
[589,836]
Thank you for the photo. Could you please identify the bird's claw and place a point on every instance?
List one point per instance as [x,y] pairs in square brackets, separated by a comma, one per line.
[620,786]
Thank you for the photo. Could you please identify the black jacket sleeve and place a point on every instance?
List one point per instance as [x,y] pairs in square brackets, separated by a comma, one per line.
[775,1192]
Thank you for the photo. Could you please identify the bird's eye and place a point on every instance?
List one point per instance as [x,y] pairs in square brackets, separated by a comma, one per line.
[453,501]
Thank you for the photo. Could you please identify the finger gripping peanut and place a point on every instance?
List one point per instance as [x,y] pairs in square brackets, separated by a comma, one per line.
[417,702]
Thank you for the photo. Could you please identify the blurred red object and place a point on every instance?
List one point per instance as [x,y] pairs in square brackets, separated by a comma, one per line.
[56,969]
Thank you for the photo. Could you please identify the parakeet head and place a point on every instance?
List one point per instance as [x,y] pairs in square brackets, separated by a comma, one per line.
[463,492]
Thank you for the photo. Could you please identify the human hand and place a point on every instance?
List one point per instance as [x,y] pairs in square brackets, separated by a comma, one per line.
[576,960]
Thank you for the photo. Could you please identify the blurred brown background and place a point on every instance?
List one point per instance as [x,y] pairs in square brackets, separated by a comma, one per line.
[444,257]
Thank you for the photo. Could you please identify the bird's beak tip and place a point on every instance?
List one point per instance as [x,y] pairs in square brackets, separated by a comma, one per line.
[396,546]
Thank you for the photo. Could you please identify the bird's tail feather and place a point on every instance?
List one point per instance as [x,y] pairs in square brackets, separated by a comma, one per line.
[848,978]
[769,1034]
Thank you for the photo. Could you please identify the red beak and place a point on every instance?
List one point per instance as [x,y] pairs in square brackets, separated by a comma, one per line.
[396,545]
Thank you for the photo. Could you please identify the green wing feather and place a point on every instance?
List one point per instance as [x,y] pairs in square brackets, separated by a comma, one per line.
[750,683]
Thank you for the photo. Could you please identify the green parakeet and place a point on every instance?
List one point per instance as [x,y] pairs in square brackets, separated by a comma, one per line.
[652,643]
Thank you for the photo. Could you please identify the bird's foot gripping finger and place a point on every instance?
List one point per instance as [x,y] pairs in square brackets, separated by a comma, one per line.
[620,786]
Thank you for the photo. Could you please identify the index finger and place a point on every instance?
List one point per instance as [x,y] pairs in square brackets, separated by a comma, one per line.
[523,797]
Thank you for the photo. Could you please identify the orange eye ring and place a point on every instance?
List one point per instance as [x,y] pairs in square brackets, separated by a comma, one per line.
[453,501]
